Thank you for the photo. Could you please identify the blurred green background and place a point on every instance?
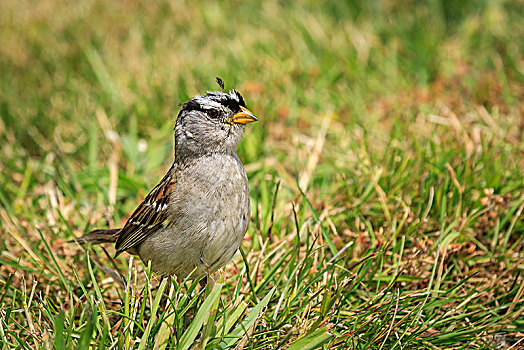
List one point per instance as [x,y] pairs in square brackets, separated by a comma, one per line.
[374,65]
[397,119]
[61,61]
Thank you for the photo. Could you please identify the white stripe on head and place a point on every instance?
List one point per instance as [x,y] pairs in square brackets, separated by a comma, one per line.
[207,103]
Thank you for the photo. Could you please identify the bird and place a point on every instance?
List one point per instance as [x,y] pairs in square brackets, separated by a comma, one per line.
[194,220]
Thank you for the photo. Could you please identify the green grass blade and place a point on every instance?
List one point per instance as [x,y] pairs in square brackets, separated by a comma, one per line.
[85,337]
[59,341]
[250,319]
[156,303]
[203,312]
[312,341]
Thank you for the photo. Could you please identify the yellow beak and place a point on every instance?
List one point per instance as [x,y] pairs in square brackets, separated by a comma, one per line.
[243,117]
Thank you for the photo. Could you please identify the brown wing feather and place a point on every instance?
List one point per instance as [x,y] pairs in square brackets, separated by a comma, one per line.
[149,216]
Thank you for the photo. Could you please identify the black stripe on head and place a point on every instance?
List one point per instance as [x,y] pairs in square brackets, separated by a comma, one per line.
[240,98]
[232,100]
[191,105]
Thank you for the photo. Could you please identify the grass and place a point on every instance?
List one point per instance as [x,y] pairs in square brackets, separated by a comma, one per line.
[386,172]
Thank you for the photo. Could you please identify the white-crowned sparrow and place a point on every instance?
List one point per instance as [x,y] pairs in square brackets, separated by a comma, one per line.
[194,220]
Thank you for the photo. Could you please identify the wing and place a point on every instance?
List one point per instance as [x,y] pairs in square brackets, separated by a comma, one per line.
[149,217]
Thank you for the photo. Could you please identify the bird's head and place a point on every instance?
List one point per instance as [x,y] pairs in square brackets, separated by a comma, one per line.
[212,123]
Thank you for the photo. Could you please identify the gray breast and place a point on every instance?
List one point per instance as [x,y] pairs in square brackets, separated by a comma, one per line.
[209,214]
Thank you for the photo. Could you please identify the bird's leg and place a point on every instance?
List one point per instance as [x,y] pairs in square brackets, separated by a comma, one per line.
[210,279]
[210,282]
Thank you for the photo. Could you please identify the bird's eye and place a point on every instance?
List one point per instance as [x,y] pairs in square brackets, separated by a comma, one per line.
[213,113]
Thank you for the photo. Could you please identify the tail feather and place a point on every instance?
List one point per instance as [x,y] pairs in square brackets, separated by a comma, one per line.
[98,236]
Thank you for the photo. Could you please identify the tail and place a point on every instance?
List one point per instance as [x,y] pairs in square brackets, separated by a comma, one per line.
[98,236]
